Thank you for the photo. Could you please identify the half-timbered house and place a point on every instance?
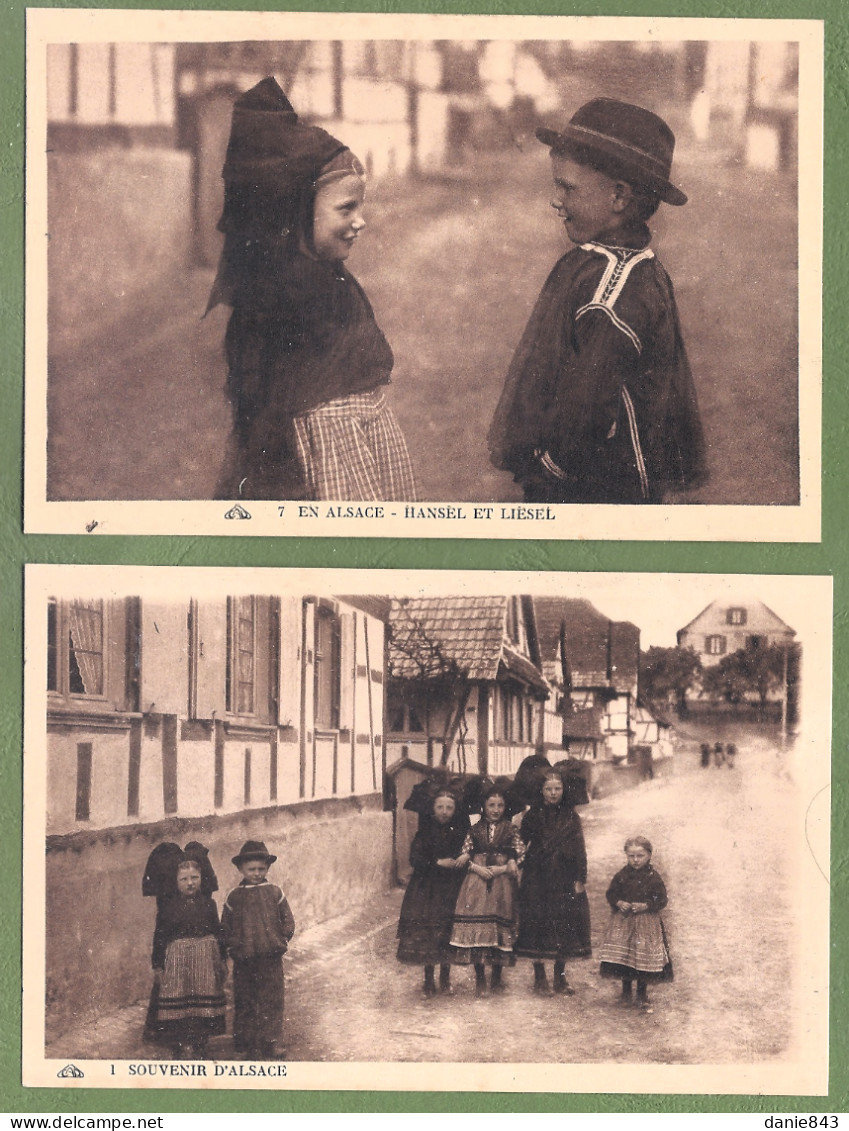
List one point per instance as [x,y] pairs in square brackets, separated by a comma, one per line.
[218,719]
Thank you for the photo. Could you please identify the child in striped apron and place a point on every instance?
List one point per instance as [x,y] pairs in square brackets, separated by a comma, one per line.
[189,963]
[635,947]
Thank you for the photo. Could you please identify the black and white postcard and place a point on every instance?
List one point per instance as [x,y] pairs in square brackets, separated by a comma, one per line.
[483,385]
[563,832]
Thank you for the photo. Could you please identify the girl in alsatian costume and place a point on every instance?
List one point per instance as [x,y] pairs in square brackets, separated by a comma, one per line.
[308,364]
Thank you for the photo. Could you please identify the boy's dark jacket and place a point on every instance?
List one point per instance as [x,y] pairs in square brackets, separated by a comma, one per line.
[599,403]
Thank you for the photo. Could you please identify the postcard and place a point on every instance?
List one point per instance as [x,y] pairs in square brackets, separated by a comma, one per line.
[472,350]
[397,829]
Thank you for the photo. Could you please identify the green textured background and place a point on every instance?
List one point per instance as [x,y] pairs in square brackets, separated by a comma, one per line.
[830,557]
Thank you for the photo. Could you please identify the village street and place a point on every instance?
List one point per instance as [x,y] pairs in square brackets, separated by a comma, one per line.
[719,837]
[452,265]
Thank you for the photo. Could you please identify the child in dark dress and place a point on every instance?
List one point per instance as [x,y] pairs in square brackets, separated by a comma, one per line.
[554,918]
[189,962]
[635,946]
[257,923]
[439,865]
[485,922]
[308,364]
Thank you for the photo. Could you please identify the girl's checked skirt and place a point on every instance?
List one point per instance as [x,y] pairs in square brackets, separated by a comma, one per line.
[352,448]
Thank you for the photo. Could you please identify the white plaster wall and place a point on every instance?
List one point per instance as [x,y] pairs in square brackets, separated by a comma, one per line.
[288,772]
[150,779]
[196,778]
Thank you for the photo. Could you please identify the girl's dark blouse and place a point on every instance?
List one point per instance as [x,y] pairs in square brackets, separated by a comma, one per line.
[184,917]
[437,842]
[638,885]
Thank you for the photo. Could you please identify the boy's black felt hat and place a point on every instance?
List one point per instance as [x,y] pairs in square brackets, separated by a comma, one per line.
[635,142]
[253,850]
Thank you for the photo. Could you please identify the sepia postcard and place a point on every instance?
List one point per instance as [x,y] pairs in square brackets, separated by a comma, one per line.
[474,355]
[539,832]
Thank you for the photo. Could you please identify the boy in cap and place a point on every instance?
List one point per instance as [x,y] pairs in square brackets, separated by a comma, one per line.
[257,924]
[308,364]
[599,404]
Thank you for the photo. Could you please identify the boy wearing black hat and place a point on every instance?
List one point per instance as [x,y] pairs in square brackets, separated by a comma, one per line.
[599,404]
[257,924]
[308,363]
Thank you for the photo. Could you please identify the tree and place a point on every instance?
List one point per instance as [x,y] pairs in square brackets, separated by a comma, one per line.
[667,673]
[753,670]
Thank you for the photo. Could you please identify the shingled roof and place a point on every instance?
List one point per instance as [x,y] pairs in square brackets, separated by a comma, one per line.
[428,633]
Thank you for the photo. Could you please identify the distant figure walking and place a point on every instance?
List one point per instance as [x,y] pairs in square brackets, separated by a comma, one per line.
[718,754]
[730,755]
[705,755]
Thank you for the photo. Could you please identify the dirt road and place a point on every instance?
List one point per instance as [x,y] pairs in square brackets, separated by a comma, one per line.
[715,844]
[453,266]
[718,836]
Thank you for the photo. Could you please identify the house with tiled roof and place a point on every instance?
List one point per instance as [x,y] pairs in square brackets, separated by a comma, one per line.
[593,664]
[742,624]
[465,688]
[728,626]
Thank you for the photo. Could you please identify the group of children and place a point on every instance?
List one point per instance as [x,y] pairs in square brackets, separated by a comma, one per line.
[464,905]
[191,946]
[598,405]
[484,894]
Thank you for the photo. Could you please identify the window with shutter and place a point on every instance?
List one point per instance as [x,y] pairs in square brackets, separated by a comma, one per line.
[87,644]
[241,655]
[327,669]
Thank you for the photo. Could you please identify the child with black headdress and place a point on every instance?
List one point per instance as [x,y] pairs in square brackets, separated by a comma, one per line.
[554,918]
[485,923]
[308,364]
[439,865]
[188,957]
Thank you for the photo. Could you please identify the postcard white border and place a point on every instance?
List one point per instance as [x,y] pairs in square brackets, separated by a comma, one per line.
[681,522]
